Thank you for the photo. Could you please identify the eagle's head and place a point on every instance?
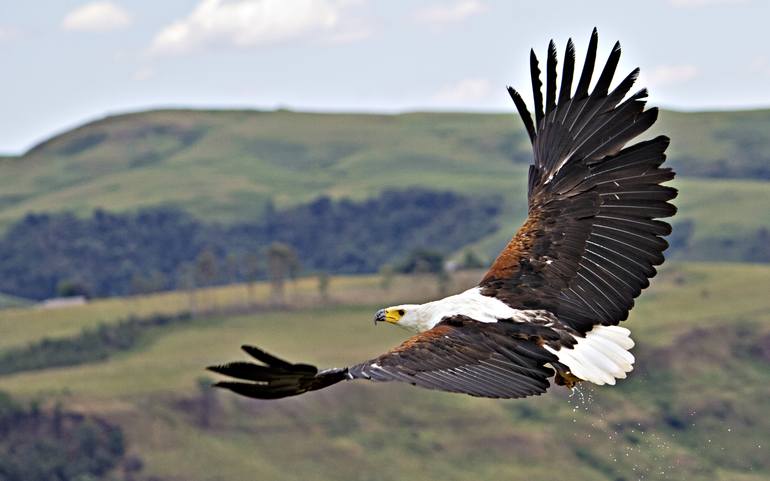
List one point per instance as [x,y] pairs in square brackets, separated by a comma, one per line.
[407,316]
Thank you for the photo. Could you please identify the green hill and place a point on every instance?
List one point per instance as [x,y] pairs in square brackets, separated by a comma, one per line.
[226,165]
[694,408]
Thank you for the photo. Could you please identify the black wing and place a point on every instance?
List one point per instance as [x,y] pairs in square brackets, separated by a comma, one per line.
[274,378]
[496,360]
[591,240]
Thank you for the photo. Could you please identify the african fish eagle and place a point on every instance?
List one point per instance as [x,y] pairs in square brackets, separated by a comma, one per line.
[550,304]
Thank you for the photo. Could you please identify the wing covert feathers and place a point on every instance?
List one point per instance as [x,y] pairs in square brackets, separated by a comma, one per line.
[592,238]
[497,360]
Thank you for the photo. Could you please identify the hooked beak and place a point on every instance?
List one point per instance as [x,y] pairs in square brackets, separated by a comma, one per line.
[379,316]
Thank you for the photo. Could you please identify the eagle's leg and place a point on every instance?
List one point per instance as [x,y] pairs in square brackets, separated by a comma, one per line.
[563,376]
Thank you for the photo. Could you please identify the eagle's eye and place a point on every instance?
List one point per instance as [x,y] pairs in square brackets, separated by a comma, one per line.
[401,312]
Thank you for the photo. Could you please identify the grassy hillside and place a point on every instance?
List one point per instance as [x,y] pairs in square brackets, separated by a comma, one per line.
[225,165]
[694,409]
[9,301]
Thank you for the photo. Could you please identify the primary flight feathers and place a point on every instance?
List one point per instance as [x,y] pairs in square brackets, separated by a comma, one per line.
[550,303]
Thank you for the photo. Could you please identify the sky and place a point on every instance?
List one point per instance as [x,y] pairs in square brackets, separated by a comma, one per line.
[65,62]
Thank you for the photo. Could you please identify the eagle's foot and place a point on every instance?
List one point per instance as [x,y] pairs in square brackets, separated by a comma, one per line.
[564,377]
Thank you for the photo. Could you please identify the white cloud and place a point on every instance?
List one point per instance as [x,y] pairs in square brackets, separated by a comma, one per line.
[456,12]
[97,17]
[255,23]
[669,75]
[703,3]
[467,90]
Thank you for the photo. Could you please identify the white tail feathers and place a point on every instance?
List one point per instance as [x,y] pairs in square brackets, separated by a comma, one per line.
[601,356]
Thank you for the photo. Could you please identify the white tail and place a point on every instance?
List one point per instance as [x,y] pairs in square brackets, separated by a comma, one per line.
[601,356]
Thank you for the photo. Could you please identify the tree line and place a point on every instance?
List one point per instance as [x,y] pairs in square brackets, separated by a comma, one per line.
[110,254]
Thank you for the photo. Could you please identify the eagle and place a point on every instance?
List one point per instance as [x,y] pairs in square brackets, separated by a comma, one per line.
[549,306]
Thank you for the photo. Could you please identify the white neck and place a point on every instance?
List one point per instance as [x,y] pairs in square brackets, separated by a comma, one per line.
[470,303]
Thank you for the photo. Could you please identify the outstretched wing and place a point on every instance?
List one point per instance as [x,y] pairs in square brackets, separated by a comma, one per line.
[591,240]
[497,360]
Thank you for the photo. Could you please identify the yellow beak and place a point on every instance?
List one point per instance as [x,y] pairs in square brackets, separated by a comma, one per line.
[387,315]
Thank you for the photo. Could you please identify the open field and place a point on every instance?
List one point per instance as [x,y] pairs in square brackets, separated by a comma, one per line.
[302,293]
[694,409]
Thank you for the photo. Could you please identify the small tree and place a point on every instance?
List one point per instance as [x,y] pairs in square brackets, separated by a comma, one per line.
[57,420]
[153,281]
[471,260]
[386,277]
[187,282]
[132,466]
[205,268]
[443,282]
[207,402]
[252,267]
[422,261]
[71,288]
[323,286]
[427,262]
[232,269]
[282,262]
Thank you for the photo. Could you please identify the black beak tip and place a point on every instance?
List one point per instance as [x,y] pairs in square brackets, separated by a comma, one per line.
[379,316]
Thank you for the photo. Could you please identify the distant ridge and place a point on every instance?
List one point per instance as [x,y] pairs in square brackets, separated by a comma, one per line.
[226,165]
